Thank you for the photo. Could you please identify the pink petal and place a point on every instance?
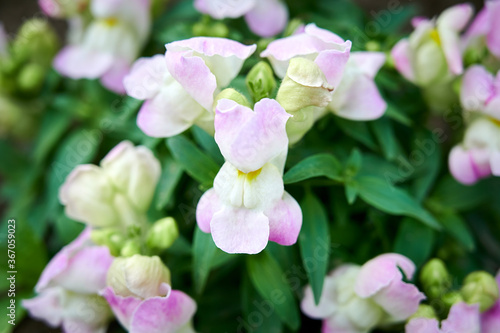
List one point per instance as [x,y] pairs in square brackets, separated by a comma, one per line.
[46,306]
[208,205]
[163,314]
[477,88]
[369,63]
[463,166]
[418,20]
[267,18]
[77,62]
[399,299]
[495,162]
[479,26]
[327,304]
[401,54]
[113,78]
[122,307]
[285,221]
[332,64]
[490,320]
[240,230]
[339,323]
[381,271]
[220,9]
[422,325]
[146,77]
[493,37]
[250,139]
[463,318]
[456,17]
[324,35]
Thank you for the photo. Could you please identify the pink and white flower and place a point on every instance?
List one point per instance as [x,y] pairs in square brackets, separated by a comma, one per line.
[248,206]
[463,318]
[118,193]
[356,299]
[109,44]
[480,92]
[265,18]
[180,87]
[486,26]
[69,285]
[63,8]
[432,54]
[140,296]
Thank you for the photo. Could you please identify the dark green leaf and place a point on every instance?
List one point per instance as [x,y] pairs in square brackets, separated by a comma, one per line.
[203,252]
[415,241]
[207,142]
[269,280]
[52,128]
[384,132]
[170,177]
[314,241]
[455,225]
[314,166]
[451,194]
[196,163]
[357,130]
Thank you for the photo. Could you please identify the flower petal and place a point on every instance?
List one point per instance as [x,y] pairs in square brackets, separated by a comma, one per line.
[285,221]
[77,62]
[267,18]
[422,325]
[87,194]
[381,271]
[493,38]
[249,139]
[477,88]
[240,230]
[327,303]
[463,318]
[122,307]
[163,314]
[401,53]
[146,77]
[220,9]
[490,320]
[46,306]
[113,78]
[208,205]
[399,299]
[462,166]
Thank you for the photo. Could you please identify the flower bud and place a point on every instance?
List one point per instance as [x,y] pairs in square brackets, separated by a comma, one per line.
[233,95]
[31,78]
[451,298]
[292,27]
[260,81]
[139,276]
[35,41]
[163,234]
[109,237]
[480,287]
[424,311]
[131,247]
[206,27]
[435,278]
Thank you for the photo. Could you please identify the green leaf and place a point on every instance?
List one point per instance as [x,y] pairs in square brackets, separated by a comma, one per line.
[451,194]
[52,128]
[196,163]
[170,177]
[357,130]
[203,252]
[314,241]
[269,280]
[428,171]
[207,142]
[67,229]
[455,225]
[384,132]
[314,166]
[414,240]
[351,192]
[398,115]
[380,194]
[354,163]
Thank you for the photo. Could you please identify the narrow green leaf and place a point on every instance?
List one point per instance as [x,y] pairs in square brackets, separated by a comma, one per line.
[357,130]
[203,252]
[354,163]
[207,142]
[351,193]
[451,194]
[269,280]
[414,240]
[196,163]
[52,128]
[398,115]
[455,225]
[426,173]
[314,166]
[170,177]
[382,195]
[384,132]
[314,241]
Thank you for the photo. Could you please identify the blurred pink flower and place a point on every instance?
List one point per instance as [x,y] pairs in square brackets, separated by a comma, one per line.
[486,25]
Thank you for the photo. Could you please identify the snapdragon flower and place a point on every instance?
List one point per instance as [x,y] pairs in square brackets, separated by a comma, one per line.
[109,44]
[265,18]
[116,194]
[248,206]
[357,299]
[480,92]
[69,285]
[485,27]
[179,88]
[142,299]
[432,54]
[463,318]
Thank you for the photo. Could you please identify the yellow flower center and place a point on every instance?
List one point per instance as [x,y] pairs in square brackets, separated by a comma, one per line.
[111,21]
[435,36]
[251,175]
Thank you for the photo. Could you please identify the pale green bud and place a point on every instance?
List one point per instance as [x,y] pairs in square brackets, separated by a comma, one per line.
[424,311]
[292,26]
[260,81]
[36,41]
[451,298]
[131,247]
[233,95]
[31,77]
[480,287]
[435,278]
[162,234]
[110,237]
[138,276]
[372,46]
[207,27]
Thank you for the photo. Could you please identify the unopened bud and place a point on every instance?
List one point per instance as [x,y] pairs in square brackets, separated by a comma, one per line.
[260,81]
[209,28]
[233,95]
[108,237]
[162,234]
[480,287]
[131,247]
[451,298]
[293,27]
[36,41]
[435,278]
[139,276]
[31,78]
[424,311]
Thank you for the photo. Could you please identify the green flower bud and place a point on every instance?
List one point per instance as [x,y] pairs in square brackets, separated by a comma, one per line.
[372,46]
[31,78]
[293,25]
[207,27]
[451,298]
[233,95]
[263,43]
[424,311]
[131,247]
[162,234]
[435,278]
[110,238]
[480,287]
[260,81]
[36,41]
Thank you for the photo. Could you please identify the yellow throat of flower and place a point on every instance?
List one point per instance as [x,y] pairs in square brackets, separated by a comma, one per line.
[251,175]
[435,36]
[111,21]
